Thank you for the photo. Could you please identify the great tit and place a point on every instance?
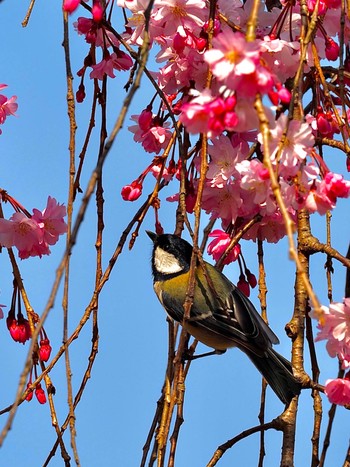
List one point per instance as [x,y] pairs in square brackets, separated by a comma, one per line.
[221,316]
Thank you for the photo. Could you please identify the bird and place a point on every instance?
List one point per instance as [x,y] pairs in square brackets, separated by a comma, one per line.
[221,316]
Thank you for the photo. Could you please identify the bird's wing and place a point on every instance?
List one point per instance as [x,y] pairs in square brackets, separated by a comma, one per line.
[222,308]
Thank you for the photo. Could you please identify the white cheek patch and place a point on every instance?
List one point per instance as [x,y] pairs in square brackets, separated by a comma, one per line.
[165,262]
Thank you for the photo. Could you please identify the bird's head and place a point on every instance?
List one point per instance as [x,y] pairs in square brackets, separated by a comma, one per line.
[171,255]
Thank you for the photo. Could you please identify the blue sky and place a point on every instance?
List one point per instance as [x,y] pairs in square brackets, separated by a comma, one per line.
[115,414]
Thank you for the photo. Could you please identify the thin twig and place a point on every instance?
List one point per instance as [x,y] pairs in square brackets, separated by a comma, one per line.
[275,424]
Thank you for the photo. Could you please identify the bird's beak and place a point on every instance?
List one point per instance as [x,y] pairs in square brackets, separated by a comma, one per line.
[151,235]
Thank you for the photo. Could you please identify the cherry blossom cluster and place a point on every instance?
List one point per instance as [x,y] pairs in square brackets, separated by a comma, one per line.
[210,69]
[238,185]
[32,234]
[334,327]
[98,36]
[7,106]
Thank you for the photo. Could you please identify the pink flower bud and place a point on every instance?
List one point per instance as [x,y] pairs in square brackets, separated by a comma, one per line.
[145,120]
[131,192]
[264,174]
[323,125]
[97,11]
[70,5]
[284,95]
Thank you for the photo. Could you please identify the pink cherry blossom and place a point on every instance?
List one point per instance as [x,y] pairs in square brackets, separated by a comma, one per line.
[335,322]
[232,56]
[218,246]
[298,144]
[223,160]
[167,174]
[37,249]
[150,133]
[51,220]
[222,202]
[335,186]
[281,56]
[103,68]
[338,391]
[255,178]
[33,235]
[20,231]
[334,326]
[207,115]
[7,107]
[136,22]
[121,60]
[271,228]
[324,193]
[174,14]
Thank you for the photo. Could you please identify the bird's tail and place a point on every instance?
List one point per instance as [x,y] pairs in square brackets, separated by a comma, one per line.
[278,372]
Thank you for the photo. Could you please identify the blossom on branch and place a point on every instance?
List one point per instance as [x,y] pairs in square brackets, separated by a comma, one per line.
[33,235]
[7,106]
[218,246]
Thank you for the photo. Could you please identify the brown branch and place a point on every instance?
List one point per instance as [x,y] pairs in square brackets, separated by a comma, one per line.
[78,396]
[28,14]
[276,424]
[347,458]
[72,133]
[347,277]
[310,245]
[331,416]
[262,299]
[65,456]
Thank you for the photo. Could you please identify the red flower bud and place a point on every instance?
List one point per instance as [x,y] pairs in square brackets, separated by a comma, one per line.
[44,350]
[80,94]
[29,396]
[332,49]
[40,394]
[251,279]
[243,285]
